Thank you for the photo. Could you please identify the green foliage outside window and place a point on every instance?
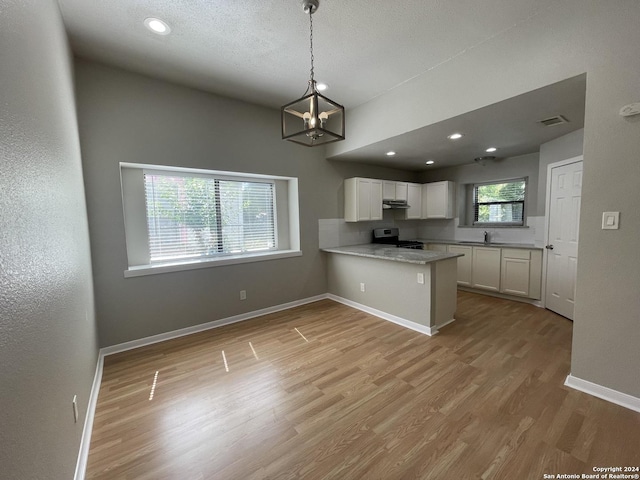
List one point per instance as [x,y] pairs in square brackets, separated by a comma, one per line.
[190,216]
[500,203]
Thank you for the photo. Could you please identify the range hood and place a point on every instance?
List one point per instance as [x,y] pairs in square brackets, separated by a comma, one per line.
[395,204]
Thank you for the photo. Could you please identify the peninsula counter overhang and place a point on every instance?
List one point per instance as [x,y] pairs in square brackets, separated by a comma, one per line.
[395,254]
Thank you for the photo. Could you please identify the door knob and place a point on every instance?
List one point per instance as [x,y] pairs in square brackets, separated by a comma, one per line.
[549,247]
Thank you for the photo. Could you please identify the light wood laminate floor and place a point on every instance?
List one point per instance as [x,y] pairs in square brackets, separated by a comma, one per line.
[326,391]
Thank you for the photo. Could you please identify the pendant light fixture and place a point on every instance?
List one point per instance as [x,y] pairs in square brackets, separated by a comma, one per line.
[313,119]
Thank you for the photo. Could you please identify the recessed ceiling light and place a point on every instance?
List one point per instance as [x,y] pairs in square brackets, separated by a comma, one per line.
[391,154]
[455,136]
[157,26]
[429,162]
[321,86]
[491,149]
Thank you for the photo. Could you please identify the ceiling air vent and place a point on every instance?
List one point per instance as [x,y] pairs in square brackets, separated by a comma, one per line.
[551,121]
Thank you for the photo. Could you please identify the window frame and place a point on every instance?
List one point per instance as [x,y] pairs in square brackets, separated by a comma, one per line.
[475,205]
[286,220]
[219,226]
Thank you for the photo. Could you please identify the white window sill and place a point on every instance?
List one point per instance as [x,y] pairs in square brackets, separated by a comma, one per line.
[142,270]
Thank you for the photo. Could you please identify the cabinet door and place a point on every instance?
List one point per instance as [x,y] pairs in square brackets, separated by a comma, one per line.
[402,191]
[436,195]
[486,268]
[465,264]
[535,274]
[438,200]
[388,190]
[363,193]
[375,200]
[515,276]
[414,198]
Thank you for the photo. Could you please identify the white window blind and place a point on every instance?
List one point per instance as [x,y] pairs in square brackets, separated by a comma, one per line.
[191,216]
[499,202]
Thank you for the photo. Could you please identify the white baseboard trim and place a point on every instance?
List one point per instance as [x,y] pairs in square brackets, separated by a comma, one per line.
[385,316]
[143,342]
[605,393]
[81,464]
[445,323]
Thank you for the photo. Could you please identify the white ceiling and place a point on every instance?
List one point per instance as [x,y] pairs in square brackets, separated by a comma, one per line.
[258,51]
[512,126]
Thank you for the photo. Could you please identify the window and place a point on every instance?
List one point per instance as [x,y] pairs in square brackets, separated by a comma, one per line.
[499,203]
[195,216]
[178,218]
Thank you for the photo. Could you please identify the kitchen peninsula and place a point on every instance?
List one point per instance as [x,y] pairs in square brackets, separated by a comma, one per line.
[413,288]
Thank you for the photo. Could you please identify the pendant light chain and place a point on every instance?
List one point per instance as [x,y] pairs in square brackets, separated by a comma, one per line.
[311,45]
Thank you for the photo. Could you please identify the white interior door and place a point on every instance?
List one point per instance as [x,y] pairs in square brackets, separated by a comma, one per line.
[562,236]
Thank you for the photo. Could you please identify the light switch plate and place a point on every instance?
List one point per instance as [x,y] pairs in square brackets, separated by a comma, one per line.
[610,220]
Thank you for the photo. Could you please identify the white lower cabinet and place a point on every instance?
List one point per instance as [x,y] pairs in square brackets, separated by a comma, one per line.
[465,264]
[437,247]
[512,271]
[521,272]
[486,268]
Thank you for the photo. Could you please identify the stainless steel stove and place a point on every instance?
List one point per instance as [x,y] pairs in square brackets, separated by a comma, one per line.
[389,236]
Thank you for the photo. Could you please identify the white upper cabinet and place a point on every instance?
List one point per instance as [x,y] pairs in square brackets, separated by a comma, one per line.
[394,190]
[388,190]
[362,199]
[438,200]
[414,199]
[401,191]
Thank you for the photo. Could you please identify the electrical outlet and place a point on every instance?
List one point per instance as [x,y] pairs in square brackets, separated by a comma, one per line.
[362,289]
[243,294]
[421,278]
[75,408]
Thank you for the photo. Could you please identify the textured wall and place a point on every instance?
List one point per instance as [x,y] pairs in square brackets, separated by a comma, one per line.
[562,148]
[125,117]
[48,346]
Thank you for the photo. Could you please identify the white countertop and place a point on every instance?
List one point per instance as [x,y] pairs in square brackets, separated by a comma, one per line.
[392,253]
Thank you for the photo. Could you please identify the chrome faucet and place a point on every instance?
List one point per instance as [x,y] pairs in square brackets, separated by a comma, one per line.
[486,237]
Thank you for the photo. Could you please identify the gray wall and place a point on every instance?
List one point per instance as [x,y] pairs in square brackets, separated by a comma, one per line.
[567,39]
[48,346]
[562,148]
[499,169]
[125,117]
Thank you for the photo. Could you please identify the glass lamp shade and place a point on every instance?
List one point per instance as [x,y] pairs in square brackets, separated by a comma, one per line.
[313,120]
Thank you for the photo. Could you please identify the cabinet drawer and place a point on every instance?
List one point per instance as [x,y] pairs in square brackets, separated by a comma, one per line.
[516,253]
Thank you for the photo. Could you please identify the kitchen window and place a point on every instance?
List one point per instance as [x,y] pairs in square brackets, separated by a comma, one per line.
[499,203]
[179,218]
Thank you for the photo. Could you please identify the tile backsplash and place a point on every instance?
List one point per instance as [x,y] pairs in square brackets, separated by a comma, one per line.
[449,230]
[335,232]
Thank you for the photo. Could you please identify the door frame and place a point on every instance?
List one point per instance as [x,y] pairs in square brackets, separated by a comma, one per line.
[547,204]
